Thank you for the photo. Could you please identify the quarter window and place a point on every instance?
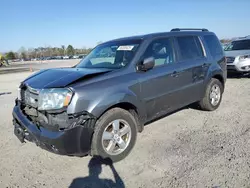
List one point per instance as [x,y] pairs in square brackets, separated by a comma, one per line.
[213,44]
[190,47]
[161,50]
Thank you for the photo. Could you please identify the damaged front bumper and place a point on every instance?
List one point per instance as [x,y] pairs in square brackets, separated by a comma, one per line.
[74,141]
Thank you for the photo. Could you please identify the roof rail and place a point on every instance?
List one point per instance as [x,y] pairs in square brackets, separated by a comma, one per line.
[189,29]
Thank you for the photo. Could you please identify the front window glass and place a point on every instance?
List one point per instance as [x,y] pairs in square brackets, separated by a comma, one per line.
[112,55]
[161,50]
[238,45]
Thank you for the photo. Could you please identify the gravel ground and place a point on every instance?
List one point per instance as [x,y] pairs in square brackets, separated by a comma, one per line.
[189,148]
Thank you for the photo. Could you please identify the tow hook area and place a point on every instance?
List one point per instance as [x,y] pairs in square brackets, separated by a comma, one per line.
[18,131]
[21,133]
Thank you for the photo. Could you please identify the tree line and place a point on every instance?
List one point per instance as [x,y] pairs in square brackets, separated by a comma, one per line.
[39,52]
[32,53]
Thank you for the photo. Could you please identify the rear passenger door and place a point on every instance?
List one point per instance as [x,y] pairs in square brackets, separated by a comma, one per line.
[192,67]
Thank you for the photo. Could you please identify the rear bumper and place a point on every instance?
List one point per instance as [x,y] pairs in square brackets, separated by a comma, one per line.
[75,141]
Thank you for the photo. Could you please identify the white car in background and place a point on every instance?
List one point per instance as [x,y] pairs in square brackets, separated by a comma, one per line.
[76,57]
[66,57]
[238,55]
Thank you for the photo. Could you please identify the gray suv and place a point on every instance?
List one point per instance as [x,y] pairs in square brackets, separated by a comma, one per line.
[98,106]
[238,55]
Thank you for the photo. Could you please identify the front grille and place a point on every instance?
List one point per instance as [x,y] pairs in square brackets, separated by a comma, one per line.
[230,59]
[231,67]
[29,98]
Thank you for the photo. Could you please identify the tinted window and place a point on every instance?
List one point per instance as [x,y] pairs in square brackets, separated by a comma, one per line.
[190,47]
[238,45]
[161,50]
[213,44]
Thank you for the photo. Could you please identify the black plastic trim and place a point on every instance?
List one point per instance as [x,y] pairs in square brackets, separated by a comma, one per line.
[75,141]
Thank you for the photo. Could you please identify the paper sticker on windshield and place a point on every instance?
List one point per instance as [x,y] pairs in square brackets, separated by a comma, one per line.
[125,48]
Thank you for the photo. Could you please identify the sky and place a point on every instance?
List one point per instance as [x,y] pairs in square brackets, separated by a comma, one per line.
[84,23]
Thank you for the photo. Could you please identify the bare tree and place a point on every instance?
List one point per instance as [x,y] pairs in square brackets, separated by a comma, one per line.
[22,53]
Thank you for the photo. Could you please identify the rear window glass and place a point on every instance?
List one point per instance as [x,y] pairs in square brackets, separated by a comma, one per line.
[213,44]
[190,47]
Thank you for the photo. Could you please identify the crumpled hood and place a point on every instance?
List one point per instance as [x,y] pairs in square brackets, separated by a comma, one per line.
[236,53]
[60,77]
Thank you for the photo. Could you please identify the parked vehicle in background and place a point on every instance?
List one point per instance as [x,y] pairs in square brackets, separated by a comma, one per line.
[26,59]
[75,57]
[98,106]
[66,57]
[238,55]
[82,56]
[59,57]
[16,60]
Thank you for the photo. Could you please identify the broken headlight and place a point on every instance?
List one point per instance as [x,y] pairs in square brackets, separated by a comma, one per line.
[54,99]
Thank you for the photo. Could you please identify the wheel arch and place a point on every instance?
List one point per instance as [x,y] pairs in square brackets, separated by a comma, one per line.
[132,109]
[124,101]
[216,73]
[220,78]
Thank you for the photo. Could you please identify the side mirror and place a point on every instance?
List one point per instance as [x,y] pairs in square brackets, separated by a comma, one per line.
[147,64]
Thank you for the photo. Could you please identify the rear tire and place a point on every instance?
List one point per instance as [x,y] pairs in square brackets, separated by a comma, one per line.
[108,140]
[213,95]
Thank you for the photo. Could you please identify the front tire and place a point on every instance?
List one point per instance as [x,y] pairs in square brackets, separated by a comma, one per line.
[213,95]
[115,135]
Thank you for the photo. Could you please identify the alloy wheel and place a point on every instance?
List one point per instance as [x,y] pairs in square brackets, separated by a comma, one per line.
[116,137]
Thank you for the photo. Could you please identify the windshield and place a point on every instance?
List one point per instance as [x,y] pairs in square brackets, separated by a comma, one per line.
[111,55]
[238,45]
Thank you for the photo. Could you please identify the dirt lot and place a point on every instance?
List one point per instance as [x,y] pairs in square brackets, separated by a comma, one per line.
[187,149]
